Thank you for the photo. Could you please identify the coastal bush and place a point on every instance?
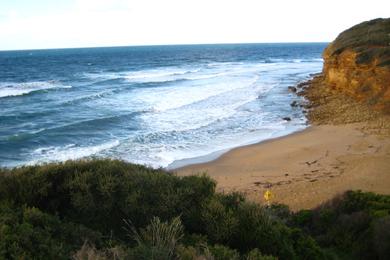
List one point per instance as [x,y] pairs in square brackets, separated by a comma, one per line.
[221,252]
[255,254]
[381,237]
[101,193]
[369,39]
[349,225]
[77,209]
[158,240]
[256,229]
[219,221]
[29,233]
[89,252]
[243,226]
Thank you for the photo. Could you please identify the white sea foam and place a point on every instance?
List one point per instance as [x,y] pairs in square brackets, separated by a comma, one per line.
[167,98]
[220,113]
[168,74]
[69,152]
[8,89]
[153,111]
[216,108]
[204,108]
[199,72]
[164,154]
[159,74]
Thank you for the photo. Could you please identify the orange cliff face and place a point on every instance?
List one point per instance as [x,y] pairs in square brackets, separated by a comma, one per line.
[358,63]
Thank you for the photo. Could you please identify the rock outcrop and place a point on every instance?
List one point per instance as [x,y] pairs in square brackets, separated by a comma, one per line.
[357,63]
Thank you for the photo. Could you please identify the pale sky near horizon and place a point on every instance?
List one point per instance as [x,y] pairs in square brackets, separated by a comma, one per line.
[40,24]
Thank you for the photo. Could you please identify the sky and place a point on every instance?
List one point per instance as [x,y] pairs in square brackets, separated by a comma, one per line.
[41,24]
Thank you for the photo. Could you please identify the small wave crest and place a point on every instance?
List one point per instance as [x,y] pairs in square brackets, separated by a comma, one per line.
[18,89]
[158,75]
[69,152]
[94,124]
[85,98]
[192,73]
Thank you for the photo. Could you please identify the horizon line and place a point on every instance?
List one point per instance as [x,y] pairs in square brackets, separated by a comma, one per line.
[156,45]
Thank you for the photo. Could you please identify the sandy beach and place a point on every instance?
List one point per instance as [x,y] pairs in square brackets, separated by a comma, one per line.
[347,147]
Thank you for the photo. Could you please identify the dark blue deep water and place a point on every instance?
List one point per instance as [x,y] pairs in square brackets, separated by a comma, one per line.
[152,105]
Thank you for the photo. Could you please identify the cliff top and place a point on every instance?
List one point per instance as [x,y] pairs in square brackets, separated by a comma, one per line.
[370,39]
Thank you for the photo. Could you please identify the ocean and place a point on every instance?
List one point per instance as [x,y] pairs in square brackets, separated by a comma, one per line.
[155,105]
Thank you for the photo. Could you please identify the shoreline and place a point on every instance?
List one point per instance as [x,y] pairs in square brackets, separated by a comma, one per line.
[183,163]
[339,151]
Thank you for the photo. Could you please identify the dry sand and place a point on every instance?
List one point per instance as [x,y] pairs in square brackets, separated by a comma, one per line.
[305,169]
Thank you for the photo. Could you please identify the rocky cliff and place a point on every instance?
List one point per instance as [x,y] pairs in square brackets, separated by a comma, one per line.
[357,63]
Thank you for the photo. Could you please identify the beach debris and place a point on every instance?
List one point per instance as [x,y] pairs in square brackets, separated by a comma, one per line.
[264,184]
[282,183]
[312,162]
[294,104]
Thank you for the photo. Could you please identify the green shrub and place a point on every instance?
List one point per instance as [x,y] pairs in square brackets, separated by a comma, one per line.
[346,225]
[100,193]
[381,237]
[302,218]
[258,229]
[255,254]
[158,240]
[306,247]
[89,252]
[280,212]
[31,234]
[221,252]
[370,39]
[194,192]
[50,211]
[187,253]
[219,221]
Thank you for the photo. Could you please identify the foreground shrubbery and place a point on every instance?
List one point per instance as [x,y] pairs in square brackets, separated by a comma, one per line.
[106,209]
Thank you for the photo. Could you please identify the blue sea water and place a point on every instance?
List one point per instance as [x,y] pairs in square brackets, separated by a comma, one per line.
[152,105]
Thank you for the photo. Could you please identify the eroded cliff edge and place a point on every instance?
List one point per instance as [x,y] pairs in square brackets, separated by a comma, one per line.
[357,63]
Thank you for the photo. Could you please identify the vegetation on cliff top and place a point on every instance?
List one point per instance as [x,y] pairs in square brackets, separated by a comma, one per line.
[108,209]
[370,39]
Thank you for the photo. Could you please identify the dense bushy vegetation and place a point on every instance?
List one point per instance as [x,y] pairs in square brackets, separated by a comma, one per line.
[107,209]
[370,39]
